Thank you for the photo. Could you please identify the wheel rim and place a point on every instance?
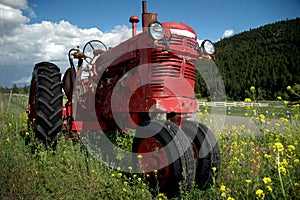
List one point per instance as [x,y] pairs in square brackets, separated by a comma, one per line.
[154,158]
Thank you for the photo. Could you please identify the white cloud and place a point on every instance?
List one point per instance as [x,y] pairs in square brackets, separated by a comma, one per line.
[228,33]
[10,18]
[23,45]
[18,4]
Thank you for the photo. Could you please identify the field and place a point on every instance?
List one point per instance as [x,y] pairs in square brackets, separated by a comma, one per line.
[253,166]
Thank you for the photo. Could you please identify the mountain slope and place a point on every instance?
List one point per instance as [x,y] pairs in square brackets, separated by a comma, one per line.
[267,58]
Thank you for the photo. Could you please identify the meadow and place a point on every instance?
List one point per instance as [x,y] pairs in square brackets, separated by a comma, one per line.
[253,166]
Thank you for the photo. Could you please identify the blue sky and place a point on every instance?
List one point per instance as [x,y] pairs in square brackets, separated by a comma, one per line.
[210,18]
[32,31]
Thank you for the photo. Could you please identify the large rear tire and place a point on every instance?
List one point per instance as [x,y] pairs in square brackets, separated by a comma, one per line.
[169,174]
[45,102]
[206,152]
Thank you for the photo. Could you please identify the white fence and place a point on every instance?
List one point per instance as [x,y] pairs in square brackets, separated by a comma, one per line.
[232,104]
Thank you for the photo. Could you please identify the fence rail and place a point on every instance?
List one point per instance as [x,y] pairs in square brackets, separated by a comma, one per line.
[232,104]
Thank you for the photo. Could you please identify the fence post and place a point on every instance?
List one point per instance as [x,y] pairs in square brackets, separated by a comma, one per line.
[9,99]
[1,103]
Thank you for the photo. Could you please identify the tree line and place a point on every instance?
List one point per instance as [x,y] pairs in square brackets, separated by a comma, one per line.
[15,89]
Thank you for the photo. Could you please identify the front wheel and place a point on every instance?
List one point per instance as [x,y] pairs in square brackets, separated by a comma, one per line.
[45,102]
[167,157]
[206,152]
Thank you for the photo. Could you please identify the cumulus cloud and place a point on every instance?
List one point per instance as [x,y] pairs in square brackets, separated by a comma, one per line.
[10,18]
[23,44]
[228,33]
[19,4]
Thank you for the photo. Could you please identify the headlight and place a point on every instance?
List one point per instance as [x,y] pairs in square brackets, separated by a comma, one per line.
[156,30]
[208,47]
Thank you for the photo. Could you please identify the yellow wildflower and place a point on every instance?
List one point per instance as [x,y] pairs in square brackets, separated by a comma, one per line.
[230,198]
[279,98]
[125,183]
[259,192]
[282,170]
[267,131]
[289,88]
[267,156]
[247,100]
[223,188]
[284,119]
[278,146]
[139,156]
[223,194]
[262,116]
[161,196]
[214,169]
[267,180]
[296,160]
[291,148]
[252,89]
[284,162]
[270,189]
[248,181]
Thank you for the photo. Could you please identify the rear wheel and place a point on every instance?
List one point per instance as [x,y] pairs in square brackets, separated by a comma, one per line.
[45,102]
[206,152]
[171,156]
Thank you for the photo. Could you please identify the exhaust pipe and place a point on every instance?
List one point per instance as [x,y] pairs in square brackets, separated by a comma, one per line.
[147,18]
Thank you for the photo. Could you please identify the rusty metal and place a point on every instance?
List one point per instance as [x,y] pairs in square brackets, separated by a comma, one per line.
[147,18]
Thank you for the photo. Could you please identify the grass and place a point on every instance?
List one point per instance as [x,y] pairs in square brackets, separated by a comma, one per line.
[264,166]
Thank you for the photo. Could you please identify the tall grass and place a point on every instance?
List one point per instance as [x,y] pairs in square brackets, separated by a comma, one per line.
[254,166]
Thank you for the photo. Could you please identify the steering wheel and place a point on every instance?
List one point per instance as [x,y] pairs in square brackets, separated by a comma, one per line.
[93,49]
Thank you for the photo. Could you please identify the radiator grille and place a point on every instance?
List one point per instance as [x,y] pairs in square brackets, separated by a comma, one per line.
[170,64]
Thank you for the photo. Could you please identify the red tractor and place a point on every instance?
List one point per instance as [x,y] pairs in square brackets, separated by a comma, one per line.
[126,87]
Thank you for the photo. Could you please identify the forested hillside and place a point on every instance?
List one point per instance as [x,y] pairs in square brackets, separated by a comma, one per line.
[267,58]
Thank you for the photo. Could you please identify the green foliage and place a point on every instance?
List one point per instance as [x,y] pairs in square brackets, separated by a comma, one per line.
[15,89]
[266,57]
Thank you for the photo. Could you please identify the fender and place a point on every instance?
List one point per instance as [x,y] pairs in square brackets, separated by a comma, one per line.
[68,82]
